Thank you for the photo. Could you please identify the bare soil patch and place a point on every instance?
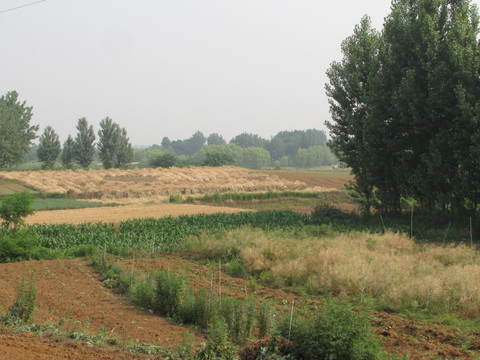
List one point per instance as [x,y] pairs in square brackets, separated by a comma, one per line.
[122,213]
[147,185]
[332,179]
[72,286]
[71,290]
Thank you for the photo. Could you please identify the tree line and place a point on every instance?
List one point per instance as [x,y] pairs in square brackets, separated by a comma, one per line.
[298,148]
[16,136]
[405,106]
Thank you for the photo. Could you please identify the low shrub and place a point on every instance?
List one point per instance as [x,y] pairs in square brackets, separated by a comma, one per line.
[337,332]
[22,309]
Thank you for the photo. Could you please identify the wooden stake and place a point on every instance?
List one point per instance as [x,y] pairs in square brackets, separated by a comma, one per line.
[411,223]
[446,232]
[383,224]
[471,233]
[220,280]
[291,320]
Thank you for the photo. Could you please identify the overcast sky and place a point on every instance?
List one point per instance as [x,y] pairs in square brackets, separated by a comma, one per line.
[170,68]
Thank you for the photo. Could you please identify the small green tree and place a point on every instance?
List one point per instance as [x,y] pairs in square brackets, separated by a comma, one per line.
[49,147]
[124,151]
[217,159]
[14,208]
[68,153]
[108,137]
[84,144]
[164,160]
[16,134]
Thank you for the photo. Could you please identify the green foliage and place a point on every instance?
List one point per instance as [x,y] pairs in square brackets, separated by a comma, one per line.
[68,153]
[338,332]
[170,292]
[246,140]
[217,159]
[402,99]
[18,246]
[84,143]
[175,199]
[165,160]
[48,148]
[16,134]
[108,137]
[218,346]
[24,306]
[215,139]
[14,208]
[124,151]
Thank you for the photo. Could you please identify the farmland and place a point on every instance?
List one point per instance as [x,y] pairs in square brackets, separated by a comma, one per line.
[101,284]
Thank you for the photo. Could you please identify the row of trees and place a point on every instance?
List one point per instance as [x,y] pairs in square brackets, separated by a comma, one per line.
[287,148]
[294,149]
[405,106]
[114,148]
[16,136]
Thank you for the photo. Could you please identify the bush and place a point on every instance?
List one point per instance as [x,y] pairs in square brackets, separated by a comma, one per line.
[217,159]
[337,332]
[22,309]
[164,160]
[14,208]
[170,293]
[18,246]
[324,212]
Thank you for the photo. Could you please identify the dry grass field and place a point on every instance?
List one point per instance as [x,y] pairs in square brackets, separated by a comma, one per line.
[150,185]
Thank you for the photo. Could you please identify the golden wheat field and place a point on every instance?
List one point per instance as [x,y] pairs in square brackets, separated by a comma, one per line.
[150,185]
[122,213]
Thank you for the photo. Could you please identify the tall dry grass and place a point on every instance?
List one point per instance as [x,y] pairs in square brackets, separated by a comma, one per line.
[390,268]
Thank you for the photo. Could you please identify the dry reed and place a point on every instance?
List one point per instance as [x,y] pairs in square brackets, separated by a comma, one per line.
[390,268]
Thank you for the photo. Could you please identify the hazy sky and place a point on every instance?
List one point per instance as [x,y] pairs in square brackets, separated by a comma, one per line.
[170,68]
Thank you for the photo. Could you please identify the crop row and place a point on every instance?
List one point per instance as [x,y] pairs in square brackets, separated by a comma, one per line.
[161,234]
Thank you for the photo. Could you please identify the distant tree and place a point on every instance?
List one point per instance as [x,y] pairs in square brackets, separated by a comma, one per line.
[217,159]
[124,150]
[165,160]
[215,139]
[68,153]
[49,147]
[245,140]
[16,134]
[166,142]
[196,142]
[84,144]
[255,158]
[108,138]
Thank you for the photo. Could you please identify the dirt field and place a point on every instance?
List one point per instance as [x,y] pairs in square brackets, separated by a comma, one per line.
[150,185]
[71,287]
[120,213]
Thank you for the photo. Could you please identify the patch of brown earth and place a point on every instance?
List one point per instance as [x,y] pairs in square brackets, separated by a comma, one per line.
[72,294]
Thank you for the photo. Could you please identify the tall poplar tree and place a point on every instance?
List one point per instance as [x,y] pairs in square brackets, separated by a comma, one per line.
[416,124]
[84,144]
[16,133]
[49,147]
[348,93]
[108,138]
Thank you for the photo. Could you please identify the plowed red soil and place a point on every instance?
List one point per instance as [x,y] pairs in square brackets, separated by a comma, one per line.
[71,289]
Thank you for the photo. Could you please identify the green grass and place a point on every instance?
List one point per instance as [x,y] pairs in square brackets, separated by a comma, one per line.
[59,203]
